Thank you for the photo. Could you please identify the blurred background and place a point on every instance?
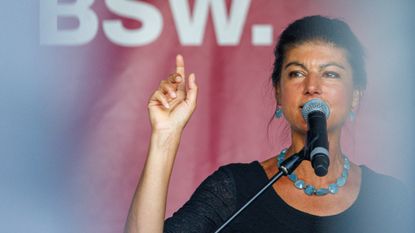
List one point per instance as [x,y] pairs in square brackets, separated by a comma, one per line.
[76,77]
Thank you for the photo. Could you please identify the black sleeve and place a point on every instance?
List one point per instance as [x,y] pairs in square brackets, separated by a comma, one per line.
[209,206]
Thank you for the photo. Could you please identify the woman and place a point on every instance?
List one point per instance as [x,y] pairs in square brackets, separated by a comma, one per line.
[316,57]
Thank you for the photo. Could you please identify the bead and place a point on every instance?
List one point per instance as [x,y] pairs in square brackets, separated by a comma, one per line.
[299,184]
[309,190]
[346,165]
[322,191]
[346,160]
[293,177]
[333,188]
[345,173]
[341,181]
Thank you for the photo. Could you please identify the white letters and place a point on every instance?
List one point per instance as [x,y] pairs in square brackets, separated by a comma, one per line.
[229,32]
[190,24]
[50,10]
[191,29]
[262,35]
[149,16]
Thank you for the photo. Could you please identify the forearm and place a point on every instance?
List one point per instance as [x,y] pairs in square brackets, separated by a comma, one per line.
[148,206]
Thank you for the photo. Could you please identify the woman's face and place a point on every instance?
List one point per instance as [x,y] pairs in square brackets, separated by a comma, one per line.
[316,70]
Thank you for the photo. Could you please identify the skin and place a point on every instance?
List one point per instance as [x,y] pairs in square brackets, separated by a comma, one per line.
[169,108]
[311,70]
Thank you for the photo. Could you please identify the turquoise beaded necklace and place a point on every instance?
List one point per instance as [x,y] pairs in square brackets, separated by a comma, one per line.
[310,189]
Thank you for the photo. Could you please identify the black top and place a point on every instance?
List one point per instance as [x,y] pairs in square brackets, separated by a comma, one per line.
[379,207]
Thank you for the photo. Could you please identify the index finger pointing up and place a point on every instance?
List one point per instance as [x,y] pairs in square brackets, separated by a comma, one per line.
[180,70]
[180,65]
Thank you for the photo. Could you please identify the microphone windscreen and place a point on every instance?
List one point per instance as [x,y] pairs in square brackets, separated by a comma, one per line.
[315,105]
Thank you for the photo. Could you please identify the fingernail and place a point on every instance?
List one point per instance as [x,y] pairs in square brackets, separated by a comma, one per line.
[178,78]
[167,105]
[173,95]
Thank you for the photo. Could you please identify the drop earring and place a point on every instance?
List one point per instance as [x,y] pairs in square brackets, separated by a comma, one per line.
[352,116]
[278,112]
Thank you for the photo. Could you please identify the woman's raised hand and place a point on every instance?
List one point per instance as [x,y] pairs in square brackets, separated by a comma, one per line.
[171,106]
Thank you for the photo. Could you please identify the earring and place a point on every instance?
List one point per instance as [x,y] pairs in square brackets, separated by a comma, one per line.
[278,113]
[352,116]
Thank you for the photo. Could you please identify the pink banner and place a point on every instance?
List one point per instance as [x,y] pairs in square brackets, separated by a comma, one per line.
[128,47]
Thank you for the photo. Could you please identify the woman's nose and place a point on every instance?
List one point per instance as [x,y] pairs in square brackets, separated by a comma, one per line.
[312,85]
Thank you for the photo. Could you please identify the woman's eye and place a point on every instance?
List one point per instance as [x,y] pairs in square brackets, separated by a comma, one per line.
[331,74]
[295,74]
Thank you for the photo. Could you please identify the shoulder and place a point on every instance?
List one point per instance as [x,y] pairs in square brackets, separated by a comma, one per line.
[387,198]
[240,168]
[380,188]
[377,181]
[244,173]
[215,199]
[229,176]
[247,179]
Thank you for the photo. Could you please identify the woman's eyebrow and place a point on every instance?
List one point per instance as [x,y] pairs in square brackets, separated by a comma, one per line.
[332,64]
[295,63]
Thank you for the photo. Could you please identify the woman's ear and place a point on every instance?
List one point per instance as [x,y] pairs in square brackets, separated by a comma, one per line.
[277,94]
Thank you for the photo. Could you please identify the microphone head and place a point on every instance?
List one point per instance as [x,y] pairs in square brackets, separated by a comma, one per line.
[314,105]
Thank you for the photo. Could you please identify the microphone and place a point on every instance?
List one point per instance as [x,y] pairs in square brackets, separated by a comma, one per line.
[315,112]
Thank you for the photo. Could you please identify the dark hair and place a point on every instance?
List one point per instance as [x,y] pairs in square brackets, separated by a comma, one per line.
[319,28]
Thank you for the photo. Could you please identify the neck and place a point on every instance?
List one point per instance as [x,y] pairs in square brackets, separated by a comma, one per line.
[306,172]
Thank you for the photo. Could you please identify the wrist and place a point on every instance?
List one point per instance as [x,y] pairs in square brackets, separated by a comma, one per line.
[160,131]
[166,137]
[163,148]
[166,128]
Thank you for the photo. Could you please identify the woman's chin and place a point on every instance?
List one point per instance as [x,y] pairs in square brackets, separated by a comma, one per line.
[300,129]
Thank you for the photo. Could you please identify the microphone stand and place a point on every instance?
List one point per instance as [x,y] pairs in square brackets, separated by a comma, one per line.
[286,168]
